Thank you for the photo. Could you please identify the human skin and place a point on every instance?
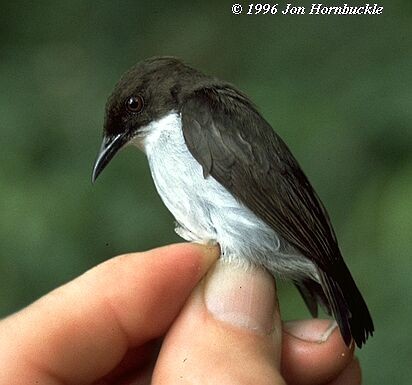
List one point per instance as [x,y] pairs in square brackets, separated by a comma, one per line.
[171,315]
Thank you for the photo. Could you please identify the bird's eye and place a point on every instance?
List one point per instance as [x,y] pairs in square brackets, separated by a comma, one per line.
[134,103]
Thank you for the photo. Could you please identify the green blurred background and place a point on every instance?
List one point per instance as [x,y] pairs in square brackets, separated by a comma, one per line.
[336,88]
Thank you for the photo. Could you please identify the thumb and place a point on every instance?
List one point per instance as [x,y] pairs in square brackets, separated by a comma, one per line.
[229,332]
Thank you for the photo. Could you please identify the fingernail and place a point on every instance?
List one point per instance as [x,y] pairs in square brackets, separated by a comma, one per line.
[242,297]
[210,252]
[311,330]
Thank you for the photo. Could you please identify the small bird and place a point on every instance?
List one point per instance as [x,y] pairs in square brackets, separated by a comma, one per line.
[228,178]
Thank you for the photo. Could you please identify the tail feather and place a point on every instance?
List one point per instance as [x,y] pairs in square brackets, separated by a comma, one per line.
[312,293]
[347,306]
[340,296]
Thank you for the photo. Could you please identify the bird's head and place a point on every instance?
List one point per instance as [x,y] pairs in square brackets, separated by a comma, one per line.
[145,93]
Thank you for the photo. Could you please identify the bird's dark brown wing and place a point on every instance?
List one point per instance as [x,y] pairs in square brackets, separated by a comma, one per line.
[234,144]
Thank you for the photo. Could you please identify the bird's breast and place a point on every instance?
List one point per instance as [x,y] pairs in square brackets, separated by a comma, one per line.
[191,198]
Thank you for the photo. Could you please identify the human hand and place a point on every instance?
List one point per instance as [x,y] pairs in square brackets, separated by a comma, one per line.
[107,326]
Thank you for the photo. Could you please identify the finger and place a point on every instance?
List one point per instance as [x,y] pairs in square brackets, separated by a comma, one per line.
[136,365]
[229,332]
[307,358]
[351,375]
[79,332]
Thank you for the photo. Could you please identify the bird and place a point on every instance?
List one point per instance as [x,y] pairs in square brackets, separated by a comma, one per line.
[229,179]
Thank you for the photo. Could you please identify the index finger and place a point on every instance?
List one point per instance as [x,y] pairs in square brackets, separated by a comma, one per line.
[81,331]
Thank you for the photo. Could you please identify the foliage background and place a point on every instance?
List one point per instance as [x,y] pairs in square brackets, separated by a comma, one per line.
[337,89]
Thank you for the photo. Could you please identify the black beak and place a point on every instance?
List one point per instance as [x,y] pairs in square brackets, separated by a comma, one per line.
[108,150]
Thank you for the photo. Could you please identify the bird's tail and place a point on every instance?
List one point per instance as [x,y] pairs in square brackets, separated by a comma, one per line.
[341,298]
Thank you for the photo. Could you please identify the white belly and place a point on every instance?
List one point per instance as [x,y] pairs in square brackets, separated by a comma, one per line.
[207,212]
